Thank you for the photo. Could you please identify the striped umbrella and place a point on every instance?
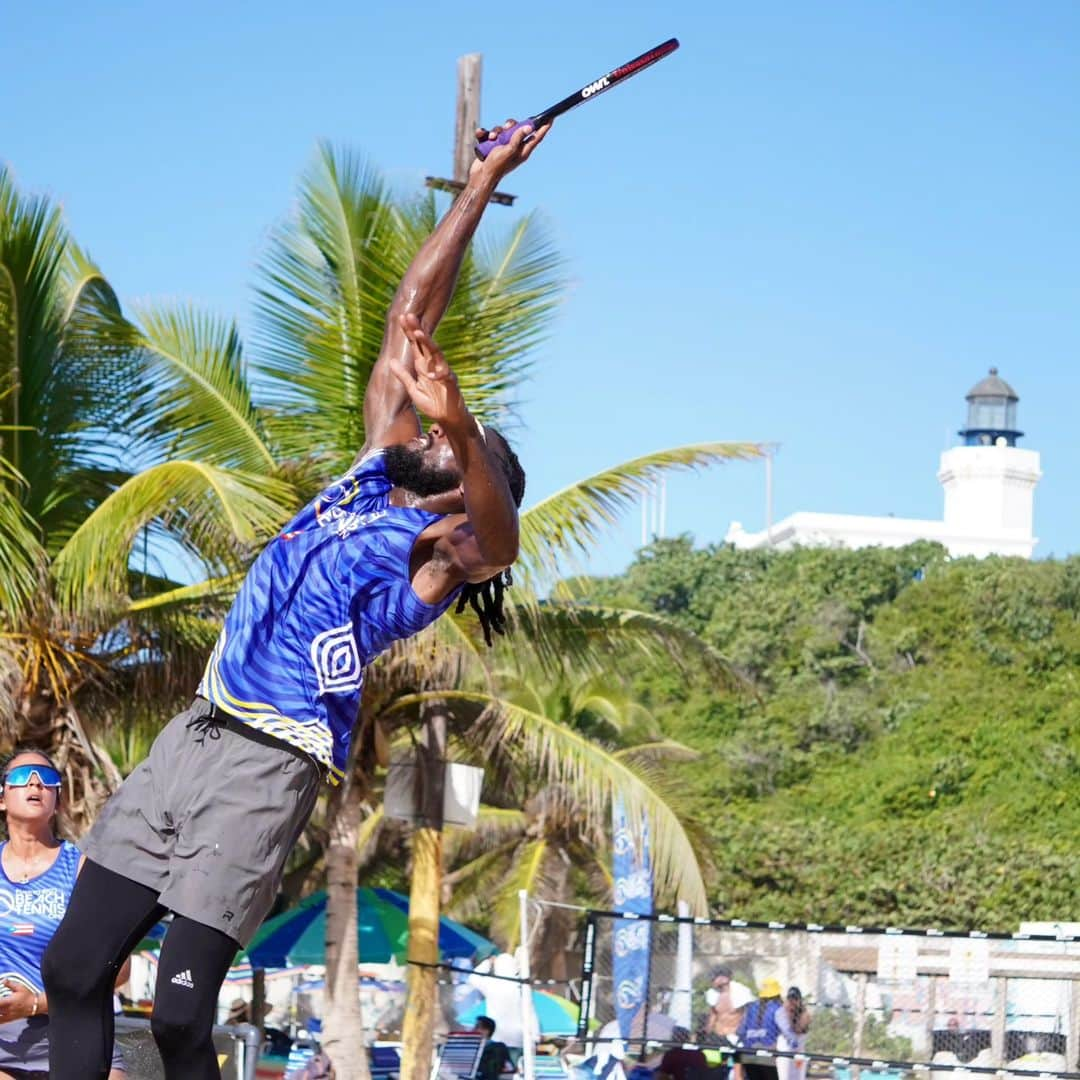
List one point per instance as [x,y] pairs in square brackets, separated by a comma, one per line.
[555,1014]
[298,936]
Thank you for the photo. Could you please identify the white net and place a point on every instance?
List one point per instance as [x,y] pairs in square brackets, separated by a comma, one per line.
[888,1000]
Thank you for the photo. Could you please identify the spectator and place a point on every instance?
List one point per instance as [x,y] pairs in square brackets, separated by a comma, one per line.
[798,1021]
[37,876]
[239,1013]
[495,1058]
[727,1002]
[763,1021]
[679,1062]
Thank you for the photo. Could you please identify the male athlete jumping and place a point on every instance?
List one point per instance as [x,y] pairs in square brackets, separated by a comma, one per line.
[202,827]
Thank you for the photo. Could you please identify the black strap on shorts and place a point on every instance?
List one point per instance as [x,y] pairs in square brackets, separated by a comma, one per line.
[219,718]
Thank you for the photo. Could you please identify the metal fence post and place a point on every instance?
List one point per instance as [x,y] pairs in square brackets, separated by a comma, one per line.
[997,1029]
[588,959]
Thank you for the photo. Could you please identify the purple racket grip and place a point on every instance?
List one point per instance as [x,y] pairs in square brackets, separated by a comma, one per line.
[484,148]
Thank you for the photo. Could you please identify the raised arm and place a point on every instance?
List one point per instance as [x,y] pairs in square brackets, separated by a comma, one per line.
[488,541]
[426,289]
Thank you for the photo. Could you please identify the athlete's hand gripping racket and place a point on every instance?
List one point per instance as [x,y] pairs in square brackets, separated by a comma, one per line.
[586,93]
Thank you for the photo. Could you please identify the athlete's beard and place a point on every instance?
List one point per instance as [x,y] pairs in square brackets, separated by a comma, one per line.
[406,468]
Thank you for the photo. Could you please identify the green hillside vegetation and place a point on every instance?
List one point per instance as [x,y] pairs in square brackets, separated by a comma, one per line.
[906,750]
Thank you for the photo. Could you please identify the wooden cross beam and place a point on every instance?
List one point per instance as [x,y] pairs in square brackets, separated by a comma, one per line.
[466,121]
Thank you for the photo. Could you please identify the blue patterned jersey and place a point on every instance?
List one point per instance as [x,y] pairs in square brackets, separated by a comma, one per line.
[30,912]
[320,603]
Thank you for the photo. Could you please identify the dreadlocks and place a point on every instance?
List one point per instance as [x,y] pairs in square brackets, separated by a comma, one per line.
[486,597]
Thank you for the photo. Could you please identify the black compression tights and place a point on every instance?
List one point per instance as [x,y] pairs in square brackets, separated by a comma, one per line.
[107,916]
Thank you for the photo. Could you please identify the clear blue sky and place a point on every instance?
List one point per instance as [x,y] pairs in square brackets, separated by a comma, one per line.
[817,223]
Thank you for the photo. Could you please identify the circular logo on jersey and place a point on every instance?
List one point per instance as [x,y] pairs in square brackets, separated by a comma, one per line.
[336,660]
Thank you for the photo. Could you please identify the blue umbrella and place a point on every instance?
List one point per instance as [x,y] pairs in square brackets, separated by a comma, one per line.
[455,941]
[555,1014]
[298,936]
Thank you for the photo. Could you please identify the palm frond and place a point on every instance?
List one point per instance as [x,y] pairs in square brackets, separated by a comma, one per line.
[592,638]
[10,686]
[475,882]
[565,526]
[197,402]
[494,826]
[652,752]
[595,774]
[529,872]
[33,246]
[326,284]
[510,286]
[22,558]
[99,361]
[215,590]
[213,509]
[367,835]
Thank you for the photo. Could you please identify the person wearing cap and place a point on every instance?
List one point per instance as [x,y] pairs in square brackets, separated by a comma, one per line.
[238,1012]
[765,1020]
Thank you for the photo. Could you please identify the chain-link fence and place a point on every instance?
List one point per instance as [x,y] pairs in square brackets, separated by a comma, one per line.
[943,1000]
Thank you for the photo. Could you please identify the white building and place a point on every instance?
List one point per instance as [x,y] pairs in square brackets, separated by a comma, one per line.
[989,485]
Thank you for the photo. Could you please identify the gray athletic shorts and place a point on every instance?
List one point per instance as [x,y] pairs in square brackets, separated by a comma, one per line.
[208,819]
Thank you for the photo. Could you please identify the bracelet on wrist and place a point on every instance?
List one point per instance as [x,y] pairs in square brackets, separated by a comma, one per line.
[33,1011]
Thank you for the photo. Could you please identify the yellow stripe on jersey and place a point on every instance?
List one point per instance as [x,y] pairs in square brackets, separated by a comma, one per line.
[311,737]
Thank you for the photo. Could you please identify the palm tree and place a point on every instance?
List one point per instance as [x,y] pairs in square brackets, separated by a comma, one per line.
[87,473]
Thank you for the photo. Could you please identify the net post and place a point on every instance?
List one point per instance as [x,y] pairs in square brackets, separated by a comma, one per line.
[588,959]
[528,1050]
[648,987]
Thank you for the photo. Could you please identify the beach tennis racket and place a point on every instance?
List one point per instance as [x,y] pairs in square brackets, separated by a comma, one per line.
[586,93]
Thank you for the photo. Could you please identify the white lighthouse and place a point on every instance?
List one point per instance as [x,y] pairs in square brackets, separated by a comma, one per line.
[989,484]
[989,481]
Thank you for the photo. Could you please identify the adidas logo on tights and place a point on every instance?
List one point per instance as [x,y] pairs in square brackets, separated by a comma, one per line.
[183,978]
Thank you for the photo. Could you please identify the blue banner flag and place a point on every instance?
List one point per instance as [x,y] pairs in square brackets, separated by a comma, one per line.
[632,871]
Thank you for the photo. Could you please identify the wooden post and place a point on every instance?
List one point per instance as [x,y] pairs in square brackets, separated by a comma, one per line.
[466,121]
[258,1000]
[417,1035]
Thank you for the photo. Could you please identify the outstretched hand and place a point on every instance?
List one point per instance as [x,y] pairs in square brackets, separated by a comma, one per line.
[504,159]
[434,388]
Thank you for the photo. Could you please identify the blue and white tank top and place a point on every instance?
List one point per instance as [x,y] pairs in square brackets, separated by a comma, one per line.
[30,912]
[322,600]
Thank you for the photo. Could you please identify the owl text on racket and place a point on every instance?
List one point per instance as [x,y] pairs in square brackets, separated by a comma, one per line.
[596,87]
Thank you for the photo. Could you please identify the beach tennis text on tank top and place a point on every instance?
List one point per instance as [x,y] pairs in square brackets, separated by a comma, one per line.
[30,912]
[322,600]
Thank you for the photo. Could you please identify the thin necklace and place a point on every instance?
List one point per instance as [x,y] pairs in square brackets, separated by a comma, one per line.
[28,866]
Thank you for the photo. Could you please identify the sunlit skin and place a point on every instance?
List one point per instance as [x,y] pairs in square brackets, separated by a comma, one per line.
[478,536]
[31,850]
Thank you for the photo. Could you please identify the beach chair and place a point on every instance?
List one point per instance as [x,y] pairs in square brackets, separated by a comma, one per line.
[385,1063]
[459,1056]
[549,1067]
